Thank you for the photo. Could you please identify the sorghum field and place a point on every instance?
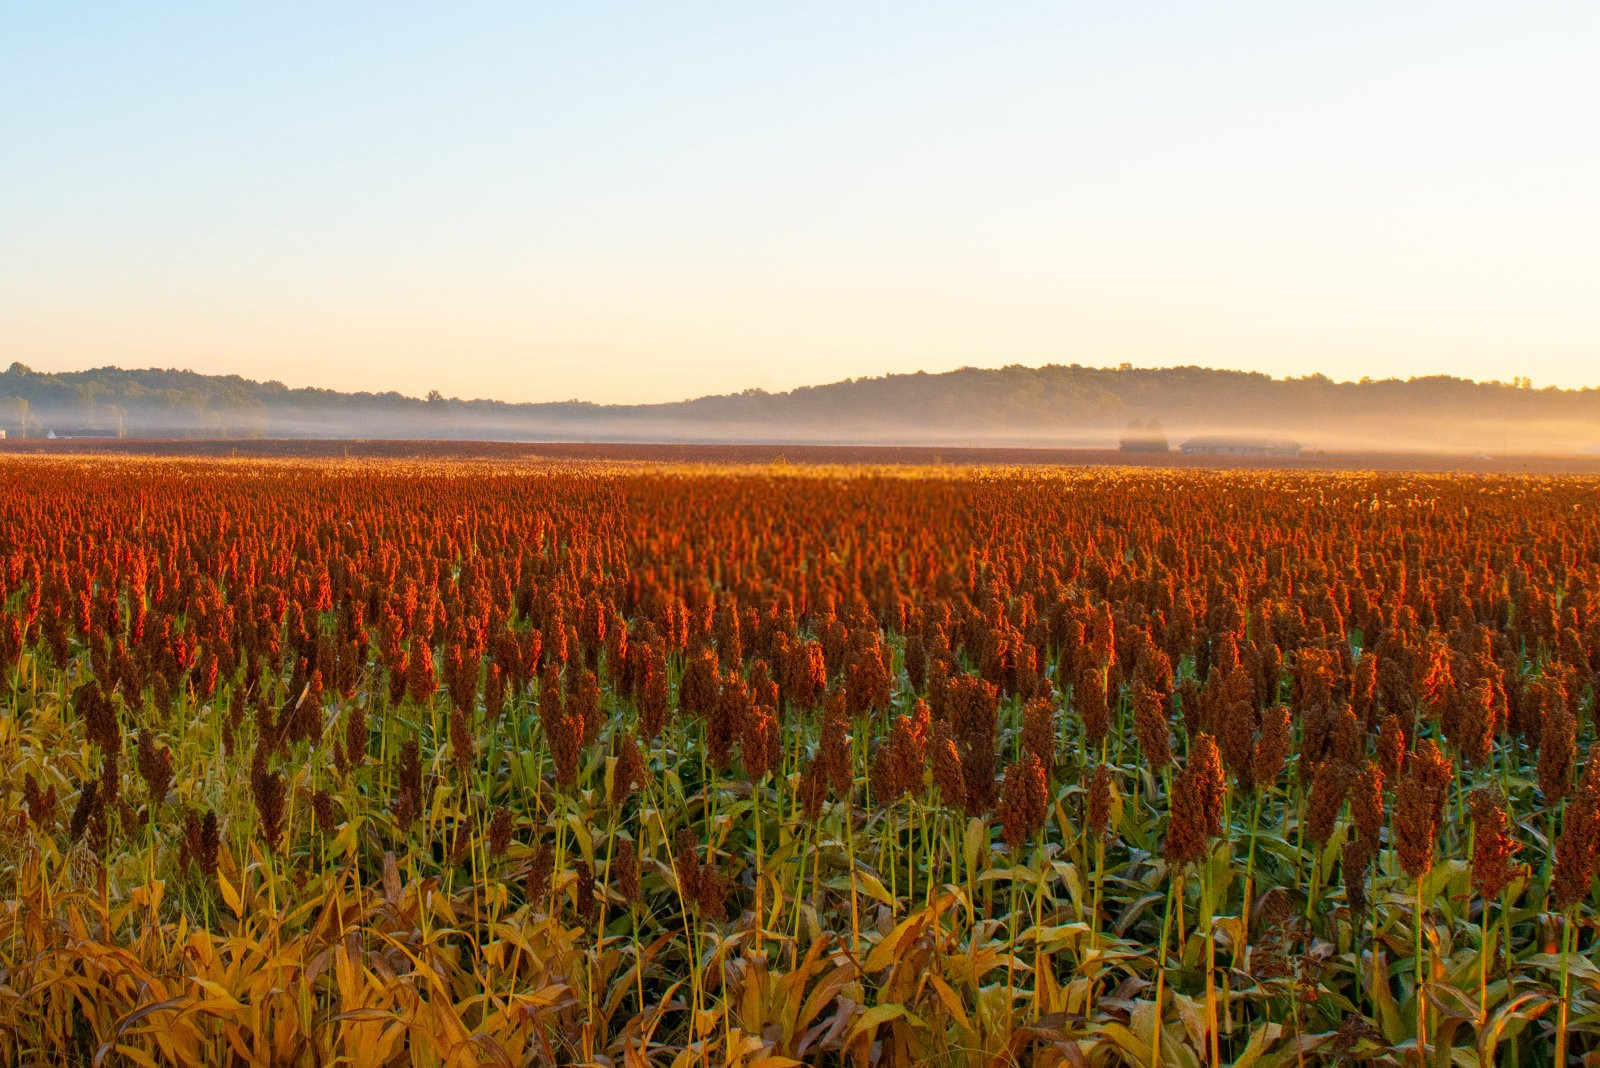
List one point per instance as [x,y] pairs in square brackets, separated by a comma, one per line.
[317,762]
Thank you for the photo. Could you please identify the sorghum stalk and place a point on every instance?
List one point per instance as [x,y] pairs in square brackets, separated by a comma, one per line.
[1211,956]
[1422,1004]
[1250,861]
[1483,966]
[761,915]
[1568,946]
[1099,878]
[1161,971]
[850,851]
[1038,920]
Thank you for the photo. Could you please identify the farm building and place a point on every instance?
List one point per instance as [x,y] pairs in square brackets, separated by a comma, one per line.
[1224,445]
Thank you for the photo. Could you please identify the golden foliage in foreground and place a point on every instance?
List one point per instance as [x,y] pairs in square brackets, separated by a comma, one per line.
[318,763]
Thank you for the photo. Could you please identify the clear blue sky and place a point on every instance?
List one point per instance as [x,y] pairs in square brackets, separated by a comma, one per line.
[625,202]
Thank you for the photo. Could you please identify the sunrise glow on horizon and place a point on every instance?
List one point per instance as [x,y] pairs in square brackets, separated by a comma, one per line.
[644,203]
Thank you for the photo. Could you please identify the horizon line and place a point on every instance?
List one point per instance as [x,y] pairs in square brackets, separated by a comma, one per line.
[1517,382]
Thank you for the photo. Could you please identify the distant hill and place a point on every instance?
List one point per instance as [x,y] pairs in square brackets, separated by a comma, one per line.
[1062,405]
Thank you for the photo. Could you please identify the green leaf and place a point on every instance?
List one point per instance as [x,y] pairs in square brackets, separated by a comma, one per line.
[1508,1020]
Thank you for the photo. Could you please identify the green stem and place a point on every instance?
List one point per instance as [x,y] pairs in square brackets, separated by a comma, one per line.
[1211,960]
[1483,966]
[1422,1001]
[1565,1008]
[1161,976]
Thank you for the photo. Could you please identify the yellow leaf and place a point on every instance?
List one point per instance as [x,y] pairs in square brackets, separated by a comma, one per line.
[975,842]
[386,1042]
[1260,1038]
[868,1021]
[137,1056]
[230,896]
[580,831]
[219,994]
[874,887]
[951,1002]
[882,954]
[867,1024]
[1125,1040]
[344,844]
[1051,998]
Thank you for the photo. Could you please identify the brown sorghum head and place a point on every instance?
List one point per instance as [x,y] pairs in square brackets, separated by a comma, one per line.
[322,811]
[270,793]
[583,707]
[1089,695]
[1102,797]
[625,871]
[500,832]
[1366,803]
[1419,806]
[1354,858]
[1150,725]
[833,748]
[630,772]
[1557,746]
[420,680]
[1578,845]
[408,785]
[583,892]
[1476,724]
[813,790]
[209,844]
[712,893]
[356,736]
[82,811]
[759,742]
[536,886]
[726,720]
[494,692]
[686,864]
[1207,779]
[1024,800]
[41,804]
[1329,785]
[1039,730]
[1237,741]
[1272,747]
[946,765]
[155,766]
[700,685]
[1492,844]
[654,692]
[897,768]
[1391,747]
[1186,822]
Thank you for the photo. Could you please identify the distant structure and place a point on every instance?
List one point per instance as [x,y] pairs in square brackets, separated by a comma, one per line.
[58,433]
[1224,445]
[1144,436]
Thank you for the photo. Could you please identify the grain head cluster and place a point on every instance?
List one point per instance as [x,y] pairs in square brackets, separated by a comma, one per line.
[519,763]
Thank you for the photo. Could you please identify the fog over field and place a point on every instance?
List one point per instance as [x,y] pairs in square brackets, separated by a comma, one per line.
[1052,406]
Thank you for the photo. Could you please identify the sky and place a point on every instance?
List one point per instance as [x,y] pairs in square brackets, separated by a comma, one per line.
[617,202]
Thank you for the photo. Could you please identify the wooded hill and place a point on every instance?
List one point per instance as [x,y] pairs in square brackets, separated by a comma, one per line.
[1066,405]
